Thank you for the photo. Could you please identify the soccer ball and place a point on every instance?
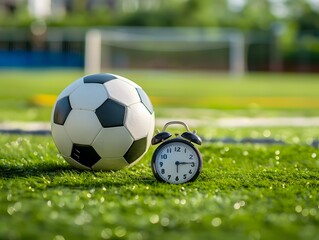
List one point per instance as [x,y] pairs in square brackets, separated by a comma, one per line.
[102,122]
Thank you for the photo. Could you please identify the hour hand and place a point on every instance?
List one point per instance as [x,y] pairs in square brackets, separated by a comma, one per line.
[177,163]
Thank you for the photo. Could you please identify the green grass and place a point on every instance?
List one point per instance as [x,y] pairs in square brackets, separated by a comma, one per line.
[253,95]
[244,192]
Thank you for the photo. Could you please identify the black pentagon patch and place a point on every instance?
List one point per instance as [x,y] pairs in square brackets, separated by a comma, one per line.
[62,110]
[111,114]
[136,150]
[145,100]
[85,154]
[98,78]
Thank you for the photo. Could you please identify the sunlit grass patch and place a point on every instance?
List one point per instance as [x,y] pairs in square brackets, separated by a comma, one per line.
[30,95]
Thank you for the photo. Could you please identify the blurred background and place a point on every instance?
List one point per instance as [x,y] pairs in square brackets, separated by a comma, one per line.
[219,35]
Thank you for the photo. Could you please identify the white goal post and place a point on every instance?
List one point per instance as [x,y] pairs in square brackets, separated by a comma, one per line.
[158,39]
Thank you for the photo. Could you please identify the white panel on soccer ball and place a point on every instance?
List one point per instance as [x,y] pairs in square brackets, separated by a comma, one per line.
[75,163]
[82,126]
[88,96]
[122,92]
[151,130]
[69,89]
[112,142]
[110,164]
[149,139]
[128,81]
[61,139]
[138,120]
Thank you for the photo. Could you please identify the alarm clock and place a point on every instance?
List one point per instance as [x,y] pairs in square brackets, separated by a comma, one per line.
[176,160]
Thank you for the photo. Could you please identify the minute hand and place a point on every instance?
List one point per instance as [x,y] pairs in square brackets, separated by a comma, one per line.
[186,163]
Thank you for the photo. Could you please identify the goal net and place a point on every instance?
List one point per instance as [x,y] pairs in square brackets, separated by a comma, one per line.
[165,48]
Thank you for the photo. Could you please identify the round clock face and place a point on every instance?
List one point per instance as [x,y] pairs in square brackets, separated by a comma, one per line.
[176,161]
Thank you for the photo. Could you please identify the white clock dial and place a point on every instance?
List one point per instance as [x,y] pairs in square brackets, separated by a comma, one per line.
[176,161]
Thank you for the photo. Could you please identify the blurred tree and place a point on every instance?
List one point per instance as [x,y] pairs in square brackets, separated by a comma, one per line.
[243,14]
[10,6]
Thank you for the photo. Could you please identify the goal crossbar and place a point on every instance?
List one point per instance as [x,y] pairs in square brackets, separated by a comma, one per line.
[166,39]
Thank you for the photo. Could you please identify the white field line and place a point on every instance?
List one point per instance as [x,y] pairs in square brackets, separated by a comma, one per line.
[216,123]
[250,122]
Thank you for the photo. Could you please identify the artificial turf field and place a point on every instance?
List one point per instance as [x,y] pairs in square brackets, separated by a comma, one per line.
[245,191]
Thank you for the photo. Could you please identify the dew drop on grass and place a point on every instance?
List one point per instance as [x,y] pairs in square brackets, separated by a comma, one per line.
[83,218]
[9,197]
[266,133]
[183,202]
[165,221]
[242,203]
[106,233]
[54,215]
[14,208]
[277,152]
[313,212]
[120,231]
[61,204]
[296,140]
[10,210]
[255,235]
[298,209]
[236,205]
[313,155]
[154,219]
[216,222]
[305,212]
[58,237]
